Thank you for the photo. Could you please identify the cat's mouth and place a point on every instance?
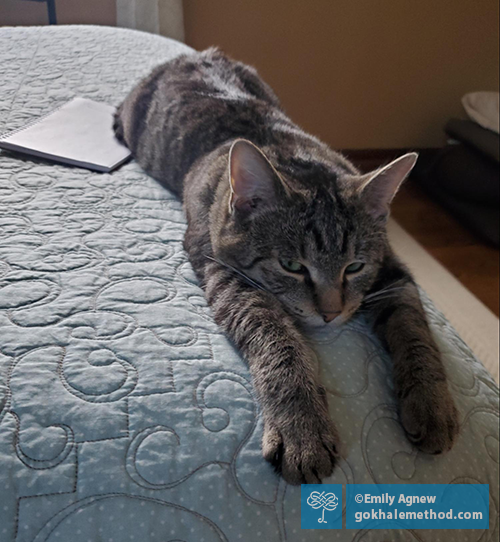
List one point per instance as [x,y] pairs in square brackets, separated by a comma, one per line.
[314,321]
[318,324]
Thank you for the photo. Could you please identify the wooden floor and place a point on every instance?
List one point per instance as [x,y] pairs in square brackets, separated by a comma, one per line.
[474,263]
[469,259]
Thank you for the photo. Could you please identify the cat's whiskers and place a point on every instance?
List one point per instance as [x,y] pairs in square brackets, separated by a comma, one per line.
[247,279]
[384,293]
[381,298]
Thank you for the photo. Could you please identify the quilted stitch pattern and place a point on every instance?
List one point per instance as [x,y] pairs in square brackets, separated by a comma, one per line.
[124,413]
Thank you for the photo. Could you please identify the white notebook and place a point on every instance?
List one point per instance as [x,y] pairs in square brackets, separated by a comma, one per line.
[79,133]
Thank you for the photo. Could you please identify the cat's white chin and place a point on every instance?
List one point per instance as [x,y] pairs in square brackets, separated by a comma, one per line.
[318,324]
[340,320]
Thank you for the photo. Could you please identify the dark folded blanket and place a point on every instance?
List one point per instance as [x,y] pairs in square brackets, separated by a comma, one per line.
[470,133]
[464,176]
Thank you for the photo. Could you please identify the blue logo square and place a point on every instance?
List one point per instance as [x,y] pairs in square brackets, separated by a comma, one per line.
[321,506]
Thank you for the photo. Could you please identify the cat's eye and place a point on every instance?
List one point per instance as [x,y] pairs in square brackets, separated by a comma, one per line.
[292,266]
[354,267]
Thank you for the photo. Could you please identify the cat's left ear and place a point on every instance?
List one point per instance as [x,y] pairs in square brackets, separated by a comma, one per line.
[379,187]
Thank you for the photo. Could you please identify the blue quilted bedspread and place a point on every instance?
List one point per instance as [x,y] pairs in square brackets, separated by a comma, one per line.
[125,415]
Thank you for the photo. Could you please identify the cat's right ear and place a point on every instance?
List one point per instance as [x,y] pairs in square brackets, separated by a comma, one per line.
[253,179]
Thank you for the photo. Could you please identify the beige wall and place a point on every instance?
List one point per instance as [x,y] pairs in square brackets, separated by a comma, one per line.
[360,73]
[22,12]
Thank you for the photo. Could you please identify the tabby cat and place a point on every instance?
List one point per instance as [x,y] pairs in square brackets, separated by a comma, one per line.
[285,234]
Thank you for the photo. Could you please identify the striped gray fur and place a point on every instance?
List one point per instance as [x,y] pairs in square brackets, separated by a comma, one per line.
[278,227]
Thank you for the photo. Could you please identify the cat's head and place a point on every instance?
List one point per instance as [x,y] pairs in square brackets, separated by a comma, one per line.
[316,246]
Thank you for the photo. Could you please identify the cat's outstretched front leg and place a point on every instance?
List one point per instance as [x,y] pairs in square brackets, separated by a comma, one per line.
[300,439]
[426,407]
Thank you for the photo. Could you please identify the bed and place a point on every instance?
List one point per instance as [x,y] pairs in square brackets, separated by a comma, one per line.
[125,414]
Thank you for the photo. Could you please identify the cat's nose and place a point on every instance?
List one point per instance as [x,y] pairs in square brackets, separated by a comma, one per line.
[329,316]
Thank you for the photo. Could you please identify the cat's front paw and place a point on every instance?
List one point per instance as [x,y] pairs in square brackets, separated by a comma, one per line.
[304,449]
[429,417]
